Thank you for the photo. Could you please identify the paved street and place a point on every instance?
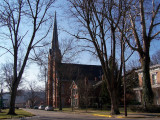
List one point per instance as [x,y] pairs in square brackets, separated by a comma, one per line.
[53,115]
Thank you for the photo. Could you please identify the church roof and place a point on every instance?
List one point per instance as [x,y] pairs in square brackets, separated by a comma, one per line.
[76,72]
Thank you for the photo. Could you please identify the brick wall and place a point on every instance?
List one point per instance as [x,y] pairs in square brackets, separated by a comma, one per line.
[140,76]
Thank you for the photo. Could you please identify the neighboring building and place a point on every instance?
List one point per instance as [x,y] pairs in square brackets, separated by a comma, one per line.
[155,83]
[63,76]
[20,100]
[6,99]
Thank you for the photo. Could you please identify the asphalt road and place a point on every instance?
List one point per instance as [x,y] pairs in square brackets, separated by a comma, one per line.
[54,115]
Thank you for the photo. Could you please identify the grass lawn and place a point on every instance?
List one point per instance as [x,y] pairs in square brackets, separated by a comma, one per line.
[20,113]
[92,111]
[106,113]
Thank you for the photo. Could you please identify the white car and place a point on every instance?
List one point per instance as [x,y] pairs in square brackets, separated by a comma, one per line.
[49,108]
[41,107]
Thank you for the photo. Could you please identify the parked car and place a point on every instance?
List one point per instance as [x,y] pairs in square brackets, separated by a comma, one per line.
[41,107]
[49,108]
[35,107]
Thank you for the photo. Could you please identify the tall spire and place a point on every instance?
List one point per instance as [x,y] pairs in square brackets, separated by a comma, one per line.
[55,35]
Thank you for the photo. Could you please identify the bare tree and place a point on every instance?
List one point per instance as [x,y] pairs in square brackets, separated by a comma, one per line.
[41,59]
[7,75]
[15,16]
[155,58]
[99,21]
[143,13]
[32,94]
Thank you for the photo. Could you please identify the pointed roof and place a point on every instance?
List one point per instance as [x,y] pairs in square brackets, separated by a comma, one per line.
[55,35]
[76,72]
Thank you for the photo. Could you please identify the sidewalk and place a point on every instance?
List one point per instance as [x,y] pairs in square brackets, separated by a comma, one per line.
[106,114]
[132,115]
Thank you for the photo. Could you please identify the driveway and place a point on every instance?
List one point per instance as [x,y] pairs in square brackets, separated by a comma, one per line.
[54,115]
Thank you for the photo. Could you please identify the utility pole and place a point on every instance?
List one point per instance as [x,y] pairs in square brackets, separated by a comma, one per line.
[45,85]
[124,77]
[123,59]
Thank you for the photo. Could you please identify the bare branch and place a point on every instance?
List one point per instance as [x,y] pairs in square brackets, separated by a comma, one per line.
[8,50]
[30,8]
[42,37]
[152,25]
[155,35]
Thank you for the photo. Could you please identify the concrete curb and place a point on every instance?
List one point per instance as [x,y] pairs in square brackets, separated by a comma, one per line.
[129,116]
[108,116]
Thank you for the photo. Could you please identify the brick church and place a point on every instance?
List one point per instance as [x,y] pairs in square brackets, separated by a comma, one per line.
[69,84]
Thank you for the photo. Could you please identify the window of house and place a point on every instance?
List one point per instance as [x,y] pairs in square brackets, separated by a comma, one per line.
[154,78]
[73,102]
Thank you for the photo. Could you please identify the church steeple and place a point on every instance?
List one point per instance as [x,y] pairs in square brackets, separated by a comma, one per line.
[55,35]
[54,60]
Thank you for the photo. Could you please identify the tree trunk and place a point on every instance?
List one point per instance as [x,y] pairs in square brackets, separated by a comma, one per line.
[147,94]
[114,85]
[12,101]
[14,82]
[114,102]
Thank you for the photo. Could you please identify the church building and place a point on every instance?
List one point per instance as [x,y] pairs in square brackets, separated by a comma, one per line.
[69,84]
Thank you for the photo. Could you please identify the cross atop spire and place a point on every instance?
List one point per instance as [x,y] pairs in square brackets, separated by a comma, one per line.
[55,35]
